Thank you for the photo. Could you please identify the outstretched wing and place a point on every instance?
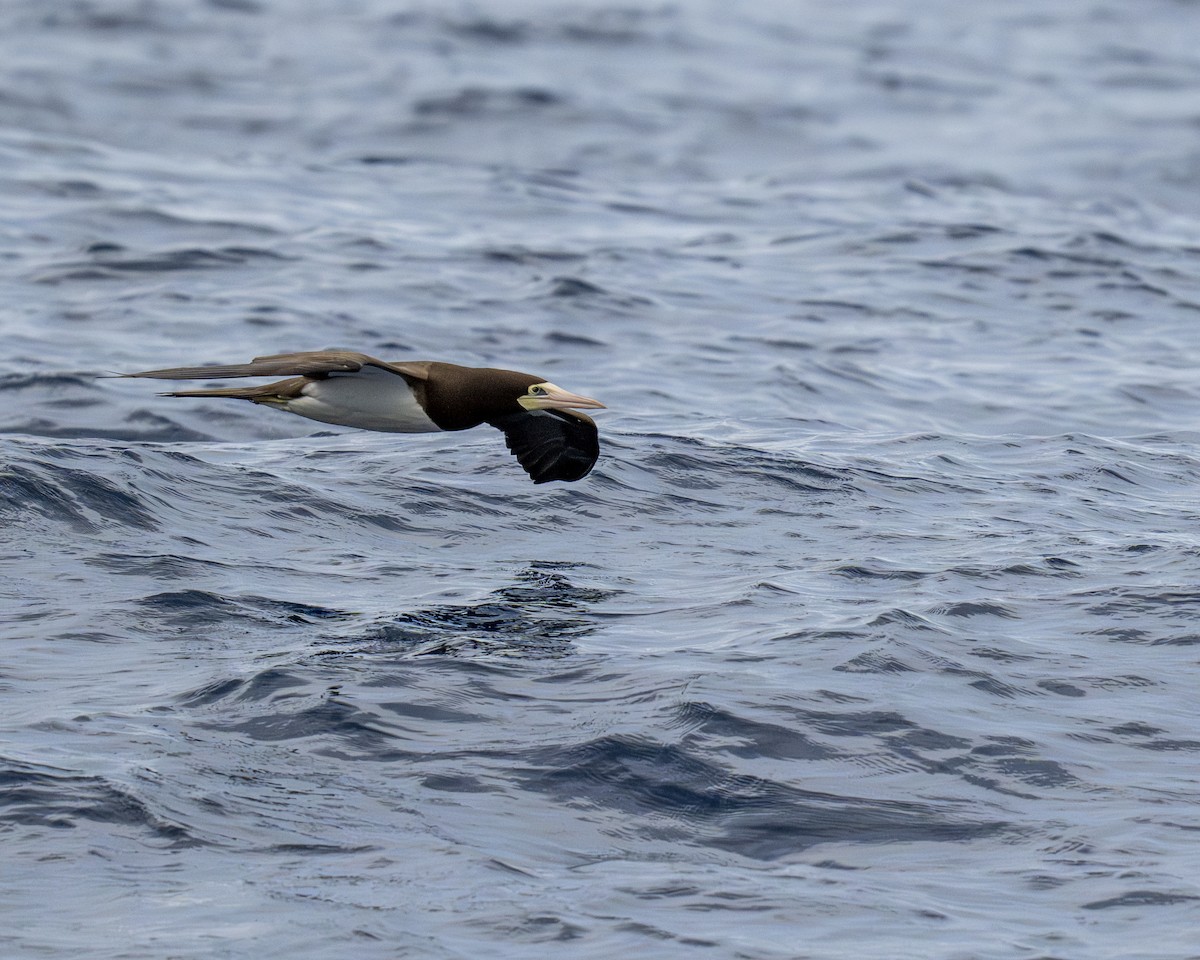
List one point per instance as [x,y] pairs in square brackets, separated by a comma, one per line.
[311,363]
[551,444]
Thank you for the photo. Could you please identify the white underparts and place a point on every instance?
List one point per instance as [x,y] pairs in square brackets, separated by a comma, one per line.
[370,399]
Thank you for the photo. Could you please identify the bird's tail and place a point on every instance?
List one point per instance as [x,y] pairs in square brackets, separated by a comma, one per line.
[268,393]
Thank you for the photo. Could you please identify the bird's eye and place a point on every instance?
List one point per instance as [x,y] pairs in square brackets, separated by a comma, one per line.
[537,391]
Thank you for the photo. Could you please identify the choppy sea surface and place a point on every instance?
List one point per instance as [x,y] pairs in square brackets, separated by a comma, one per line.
[874,632]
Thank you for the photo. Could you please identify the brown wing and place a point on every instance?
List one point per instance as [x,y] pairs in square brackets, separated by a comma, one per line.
[551,444]
[311,363]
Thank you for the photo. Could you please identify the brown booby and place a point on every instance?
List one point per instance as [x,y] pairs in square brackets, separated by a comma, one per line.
[539,420]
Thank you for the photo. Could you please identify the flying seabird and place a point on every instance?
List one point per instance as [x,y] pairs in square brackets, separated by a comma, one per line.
[539,420]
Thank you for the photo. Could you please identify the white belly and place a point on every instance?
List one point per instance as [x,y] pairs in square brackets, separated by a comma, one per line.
[371,399]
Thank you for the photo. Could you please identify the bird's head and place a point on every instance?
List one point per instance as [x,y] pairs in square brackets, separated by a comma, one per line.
[547,396]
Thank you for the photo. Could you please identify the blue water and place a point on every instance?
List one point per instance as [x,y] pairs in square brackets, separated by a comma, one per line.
[872,635]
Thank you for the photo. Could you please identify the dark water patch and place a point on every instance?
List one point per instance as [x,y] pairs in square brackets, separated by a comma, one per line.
[575,293]
[540,616]
[1120,681]
[648,210]
[422,497]
[989,684]
[315,849]
[238,6]
[541,585]
[1135,728]
[898,482]
[1041,253]
[458,784]
[879,571]
[1004,765]
[81,500]
[111,18]
[975,608]
[1001,656]
[141,426]
[1170,745]
[267,686]
[211,693]
[1061,688]
[776,343]
[152,427]
[111,264]
[388,159]
[1141,898]
[23,489]
[541,927]
[962,265]
[874,661]
[604,26]
[697,465]
[45,381]
[705,722]
[67,188]
[490,30]
[905,619]
[622,26]
[1037,773]
[183,609]
[1049,567]
[39,796]
[308,703]
[336,727]
[855,723]
[189,608]
[480,102]
[527,256]
[574,287]
[1176,609]
[270,685]
[561,339]
[156,566]
[430,713]
[705,804]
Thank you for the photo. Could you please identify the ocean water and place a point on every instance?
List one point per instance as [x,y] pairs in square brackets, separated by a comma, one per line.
[874,632]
